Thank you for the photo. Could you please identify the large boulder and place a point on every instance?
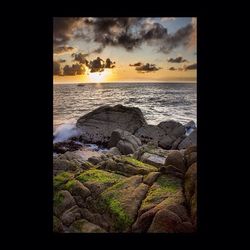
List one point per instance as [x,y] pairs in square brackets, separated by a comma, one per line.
[190,140]
[124,141]
[97,126]
[148,133]
[172,128]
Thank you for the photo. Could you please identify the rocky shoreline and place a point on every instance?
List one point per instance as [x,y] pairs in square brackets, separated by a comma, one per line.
[144,181]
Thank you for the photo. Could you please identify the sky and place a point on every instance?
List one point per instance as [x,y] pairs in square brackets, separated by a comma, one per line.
[124,49]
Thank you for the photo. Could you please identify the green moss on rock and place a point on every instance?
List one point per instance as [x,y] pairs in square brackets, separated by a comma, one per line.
[58,199]
[99,176]
[165,186]
[122,219]
[60,179]
[68,186]
[139,164]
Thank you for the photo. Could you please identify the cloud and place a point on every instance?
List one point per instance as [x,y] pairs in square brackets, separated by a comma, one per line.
[63,49]
[145,68]
[56,68]
[177,60]
[135,64]
[81,58]
[109,64]
[154,31]
[98,50]
[180,38]
[172,68]
[63,29]
[75,69]
[168,18]
[126,32]
[191,67]
[61,60]
[96,65]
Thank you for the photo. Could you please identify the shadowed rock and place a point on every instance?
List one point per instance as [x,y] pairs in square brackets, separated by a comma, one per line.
[148,133]
[190,140]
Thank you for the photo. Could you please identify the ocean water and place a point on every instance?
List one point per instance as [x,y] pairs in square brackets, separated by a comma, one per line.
[157,101]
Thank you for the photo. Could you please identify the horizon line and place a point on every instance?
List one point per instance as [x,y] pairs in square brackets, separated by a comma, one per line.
[174,81]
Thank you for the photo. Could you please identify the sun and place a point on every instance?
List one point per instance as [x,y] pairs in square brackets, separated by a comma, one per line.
[98,77]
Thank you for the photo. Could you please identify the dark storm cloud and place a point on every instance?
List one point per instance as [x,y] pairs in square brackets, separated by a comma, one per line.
[125,32]
[81,58]
[56,68]
[177,60]
[156,31]
[145,68]
[62,49]
[96,65]
[135,64]
[180,38]
[172,68]
[191,67]
[75,69]
[63,28]
[109,64]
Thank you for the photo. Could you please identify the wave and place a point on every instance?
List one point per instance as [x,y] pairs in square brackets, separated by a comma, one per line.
[65,131]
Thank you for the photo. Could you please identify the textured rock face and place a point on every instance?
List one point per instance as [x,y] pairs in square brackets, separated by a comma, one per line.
[190,140]
[132,187]
[124,141]
[97,126]
[172,128]
[190,187]
[149,133]
[123,194]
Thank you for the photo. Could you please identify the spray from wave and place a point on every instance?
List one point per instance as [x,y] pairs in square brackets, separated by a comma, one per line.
[65,131]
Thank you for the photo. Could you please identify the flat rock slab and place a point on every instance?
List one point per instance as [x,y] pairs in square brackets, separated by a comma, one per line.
[153,159]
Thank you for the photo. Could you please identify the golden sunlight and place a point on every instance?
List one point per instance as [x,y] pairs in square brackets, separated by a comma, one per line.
[98,77]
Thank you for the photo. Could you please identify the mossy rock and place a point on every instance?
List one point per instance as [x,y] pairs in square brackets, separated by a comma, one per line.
[138,163]
[87,165]
[76,188]
[65,165]
[62,201]
[60,179]
[122,201]
[97,180]
[99,176]
[57,225]
[84,226]
[164,187]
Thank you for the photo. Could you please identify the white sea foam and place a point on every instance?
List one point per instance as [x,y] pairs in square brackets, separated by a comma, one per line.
[65,131]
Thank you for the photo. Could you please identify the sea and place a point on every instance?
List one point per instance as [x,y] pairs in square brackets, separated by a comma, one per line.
[157,101]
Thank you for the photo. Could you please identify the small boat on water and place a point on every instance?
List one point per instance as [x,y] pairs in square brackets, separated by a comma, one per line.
[81,85]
